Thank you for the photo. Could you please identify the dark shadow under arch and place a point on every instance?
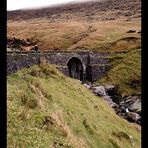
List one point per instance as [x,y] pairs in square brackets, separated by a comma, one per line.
[75,68]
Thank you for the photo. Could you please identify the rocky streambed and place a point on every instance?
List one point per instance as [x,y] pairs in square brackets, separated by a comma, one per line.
[128,107]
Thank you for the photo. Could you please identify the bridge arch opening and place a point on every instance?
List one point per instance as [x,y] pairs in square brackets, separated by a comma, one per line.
[75,68]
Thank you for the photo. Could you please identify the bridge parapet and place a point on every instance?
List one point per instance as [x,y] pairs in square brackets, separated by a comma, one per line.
[95,65]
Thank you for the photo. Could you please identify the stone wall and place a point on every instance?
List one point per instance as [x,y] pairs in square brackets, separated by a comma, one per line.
[95,65]
[19,61]
[95,72]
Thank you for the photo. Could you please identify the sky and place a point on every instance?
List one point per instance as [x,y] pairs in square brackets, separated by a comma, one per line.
[23,4]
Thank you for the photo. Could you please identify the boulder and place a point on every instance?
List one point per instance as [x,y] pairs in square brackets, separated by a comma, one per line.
[133,103]
[100,91]
[136,106]
[133,116]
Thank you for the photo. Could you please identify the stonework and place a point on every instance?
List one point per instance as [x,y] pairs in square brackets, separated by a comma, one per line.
[81,65]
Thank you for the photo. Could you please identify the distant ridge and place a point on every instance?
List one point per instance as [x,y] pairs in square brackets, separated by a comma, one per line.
[130,6]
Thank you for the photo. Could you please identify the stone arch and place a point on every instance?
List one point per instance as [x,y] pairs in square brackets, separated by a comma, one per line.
[75,67]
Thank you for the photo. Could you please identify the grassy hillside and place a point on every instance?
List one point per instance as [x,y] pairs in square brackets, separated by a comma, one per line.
[99,26]
[126,73]
[73,35]
[47,109]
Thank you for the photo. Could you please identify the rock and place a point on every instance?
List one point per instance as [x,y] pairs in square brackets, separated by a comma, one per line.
[122,102]
[87,86]
[8,49]
[133,103]
[115,105]
[123,115]
[109,101]
[129,100]
[107,98]
[109,87]
[118,111]
[122,108]
[136,106]
[43,60]
[133,116]
[112,91]
[119,102]
[100,91]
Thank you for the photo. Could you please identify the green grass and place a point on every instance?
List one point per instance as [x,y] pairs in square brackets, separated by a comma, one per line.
[76,118]
[125,71]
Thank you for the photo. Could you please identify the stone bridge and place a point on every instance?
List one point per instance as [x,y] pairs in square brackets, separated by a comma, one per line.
[80,65]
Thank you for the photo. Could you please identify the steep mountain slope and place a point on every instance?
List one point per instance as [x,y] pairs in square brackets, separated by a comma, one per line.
[51,110]
[109,25]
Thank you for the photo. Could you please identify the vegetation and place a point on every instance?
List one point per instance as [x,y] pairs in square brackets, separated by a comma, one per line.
[125,73]
[74,35]
[47,109]
[99,25]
